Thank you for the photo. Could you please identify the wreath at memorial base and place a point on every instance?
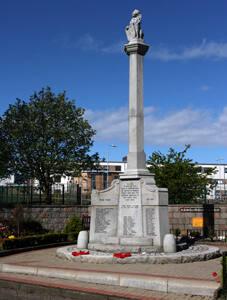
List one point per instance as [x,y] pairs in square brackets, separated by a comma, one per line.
[122,254]
[78,253]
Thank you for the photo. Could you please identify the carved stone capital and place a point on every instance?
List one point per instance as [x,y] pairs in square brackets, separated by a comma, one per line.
[138,48]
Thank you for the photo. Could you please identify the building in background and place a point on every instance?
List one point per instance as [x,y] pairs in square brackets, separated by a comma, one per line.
[219,193]
[99,179]
[102,178]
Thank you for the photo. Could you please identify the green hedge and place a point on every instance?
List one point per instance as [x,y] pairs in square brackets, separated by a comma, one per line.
[35,240]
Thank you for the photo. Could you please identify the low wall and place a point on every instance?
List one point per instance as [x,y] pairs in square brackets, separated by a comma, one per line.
[51,217]
[180,216]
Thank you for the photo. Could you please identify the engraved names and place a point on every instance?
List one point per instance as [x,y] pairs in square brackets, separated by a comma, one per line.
[105,220]
[150,221]
[130,207]
[128,226]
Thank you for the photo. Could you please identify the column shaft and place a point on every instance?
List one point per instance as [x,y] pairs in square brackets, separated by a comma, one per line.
[136,156]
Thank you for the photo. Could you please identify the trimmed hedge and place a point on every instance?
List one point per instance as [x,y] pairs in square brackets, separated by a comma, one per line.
[35,240]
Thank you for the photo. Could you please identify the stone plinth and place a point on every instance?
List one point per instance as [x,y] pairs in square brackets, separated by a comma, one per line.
[131,214]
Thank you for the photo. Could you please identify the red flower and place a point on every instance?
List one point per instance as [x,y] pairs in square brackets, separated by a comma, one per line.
[122,254]
[214,274]
[78,253]
[216,277]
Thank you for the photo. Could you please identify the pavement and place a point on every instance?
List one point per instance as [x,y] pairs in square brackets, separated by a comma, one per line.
[128,281]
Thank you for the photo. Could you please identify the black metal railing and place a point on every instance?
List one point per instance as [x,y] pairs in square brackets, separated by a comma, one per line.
[86,219]
[61,194]
[215,235]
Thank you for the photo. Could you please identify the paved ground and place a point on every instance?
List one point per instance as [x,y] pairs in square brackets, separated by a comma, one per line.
[46,258]
[113,292]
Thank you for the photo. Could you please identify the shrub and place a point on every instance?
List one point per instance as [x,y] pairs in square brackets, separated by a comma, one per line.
[4,231]
[177,232]
[18,217]
[73,227]
[30,227]
[195,234]
[30,241]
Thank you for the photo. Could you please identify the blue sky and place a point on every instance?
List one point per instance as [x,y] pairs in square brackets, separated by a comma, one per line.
[77,46]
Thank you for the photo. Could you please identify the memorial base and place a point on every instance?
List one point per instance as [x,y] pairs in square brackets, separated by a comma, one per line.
[131,215]
[110,248]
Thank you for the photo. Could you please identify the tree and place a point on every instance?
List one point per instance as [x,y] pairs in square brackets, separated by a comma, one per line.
[46,136]
[4,158]
[185,180]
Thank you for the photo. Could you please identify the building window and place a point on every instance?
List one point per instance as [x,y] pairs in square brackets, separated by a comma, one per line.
[118,168]
[93,181]
[104,180]
[204,169]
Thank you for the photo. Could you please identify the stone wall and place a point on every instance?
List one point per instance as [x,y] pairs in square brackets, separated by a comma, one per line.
[180,216]
[51,217]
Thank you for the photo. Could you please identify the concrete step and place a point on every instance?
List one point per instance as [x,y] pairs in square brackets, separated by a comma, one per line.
[165,284]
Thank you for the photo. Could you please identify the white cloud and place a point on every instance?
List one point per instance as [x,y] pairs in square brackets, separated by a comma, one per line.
[186,126]
[109,124]
[205,88]
[208,50]
[87,42]
[117,47]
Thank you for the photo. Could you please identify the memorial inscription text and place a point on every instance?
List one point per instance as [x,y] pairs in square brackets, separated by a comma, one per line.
[150,221]
[130,191]
[104,220]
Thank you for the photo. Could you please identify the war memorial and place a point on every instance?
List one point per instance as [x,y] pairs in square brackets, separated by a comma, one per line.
[133,212]
[131,216]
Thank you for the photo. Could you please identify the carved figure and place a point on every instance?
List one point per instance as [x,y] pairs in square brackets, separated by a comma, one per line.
[133,30]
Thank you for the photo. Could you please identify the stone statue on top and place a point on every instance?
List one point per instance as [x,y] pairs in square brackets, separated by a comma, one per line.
[133,30]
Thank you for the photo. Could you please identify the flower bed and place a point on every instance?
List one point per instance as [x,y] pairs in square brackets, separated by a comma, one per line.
[36,240]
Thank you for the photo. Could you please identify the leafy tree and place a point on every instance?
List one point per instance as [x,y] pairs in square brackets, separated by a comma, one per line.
[185,180]
[46,136]
[4,157]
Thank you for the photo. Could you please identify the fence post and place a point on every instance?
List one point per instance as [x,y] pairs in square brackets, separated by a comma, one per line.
[50,193]
[78,194]
[7,193]
[40,199]
[24,188]
[63,194]
[224,270]
[17,193]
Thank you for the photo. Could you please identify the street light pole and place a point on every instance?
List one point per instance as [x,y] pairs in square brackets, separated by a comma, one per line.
[107,165]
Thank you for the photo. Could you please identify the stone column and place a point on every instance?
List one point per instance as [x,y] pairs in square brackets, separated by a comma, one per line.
[136,156]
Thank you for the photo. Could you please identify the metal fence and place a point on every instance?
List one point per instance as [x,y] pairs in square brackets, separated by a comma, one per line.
[61,194]
[215,235]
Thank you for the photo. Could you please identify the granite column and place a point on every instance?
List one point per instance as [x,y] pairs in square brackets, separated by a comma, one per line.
[136,156]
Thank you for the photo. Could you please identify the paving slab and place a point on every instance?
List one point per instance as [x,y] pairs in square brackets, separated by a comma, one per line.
[189,278]
[86,290]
